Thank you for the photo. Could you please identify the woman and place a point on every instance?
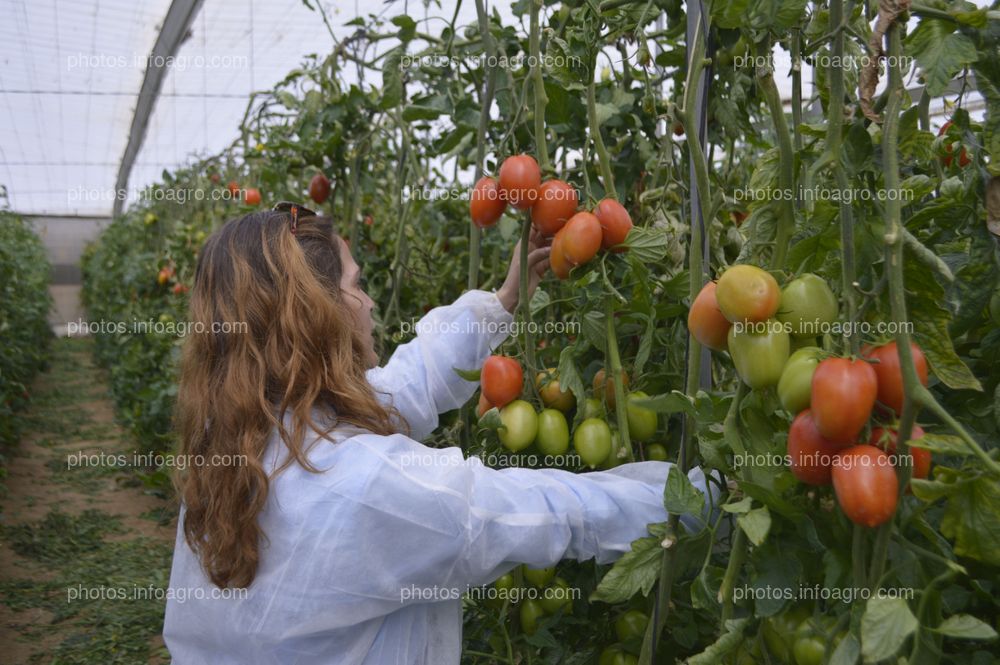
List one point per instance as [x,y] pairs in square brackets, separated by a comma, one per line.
[318,529]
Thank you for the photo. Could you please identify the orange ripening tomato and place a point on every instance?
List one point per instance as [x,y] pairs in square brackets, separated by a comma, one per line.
[615,224]
[706,322]
[866,485]
[234,188]
[890,375]
[556,203]
[520,179]
[501,380]
[747,293]
[604,386]
[252,196]
[581,238]
[485,203]
[810,456]
[483,406]
[557,259]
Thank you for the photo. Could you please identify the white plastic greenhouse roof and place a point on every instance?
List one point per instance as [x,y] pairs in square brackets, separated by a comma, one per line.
[71,73]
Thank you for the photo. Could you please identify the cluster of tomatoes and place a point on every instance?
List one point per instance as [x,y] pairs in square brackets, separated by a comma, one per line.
[167,275]
[832,398]
[501,383]
[250,195]
[554,595]
[576,235]
[795,636]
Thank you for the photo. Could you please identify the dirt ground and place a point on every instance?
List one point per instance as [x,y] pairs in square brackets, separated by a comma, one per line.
[78,529]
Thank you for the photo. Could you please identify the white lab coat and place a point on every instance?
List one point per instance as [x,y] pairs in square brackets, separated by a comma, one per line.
[364,563]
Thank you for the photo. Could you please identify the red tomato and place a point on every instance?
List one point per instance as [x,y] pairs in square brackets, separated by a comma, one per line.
[556,203]
[486,205]
[843,394]
[581,238]
[252,196]
[501,379]
[890,376]
[234,188]
[368,220]
[520,179]
[866,485]
[810,456]
[179,289]
[886,438]
[963,157]
[615,224]
[705,319]
[557,259]
[319,188]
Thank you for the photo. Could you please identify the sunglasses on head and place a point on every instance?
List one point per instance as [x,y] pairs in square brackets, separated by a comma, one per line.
[294,210]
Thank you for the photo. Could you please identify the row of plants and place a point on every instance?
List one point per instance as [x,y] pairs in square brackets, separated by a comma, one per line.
[838,376]
[24,327]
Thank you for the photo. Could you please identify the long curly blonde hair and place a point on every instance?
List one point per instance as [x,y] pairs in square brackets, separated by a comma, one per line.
[299,349]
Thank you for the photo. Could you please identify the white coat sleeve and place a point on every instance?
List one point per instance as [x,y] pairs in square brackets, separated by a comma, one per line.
[420,524]
[419,380]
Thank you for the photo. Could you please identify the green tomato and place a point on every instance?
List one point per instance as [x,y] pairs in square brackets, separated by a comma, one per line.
[504,587]
[795,385]
[642,422]
[656,452]
[592,441]
[808,305]
[557,595]
[520,425]
[553,432]
[759,357]
[631,625]
[615,656]
[593,408]
[811,637]
[539,576]
[779,631]
[531,611]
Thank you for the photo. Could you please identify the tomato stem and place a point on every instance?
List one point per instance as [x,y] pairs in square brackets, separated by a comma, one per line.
[736,557]
[541,99]
[595,134]
[786,167]
[614,363]
[485,102]
[524,305]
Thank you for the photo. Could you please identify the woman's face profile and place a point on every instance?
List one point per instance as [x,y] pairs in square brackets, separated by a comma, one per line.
[358,301]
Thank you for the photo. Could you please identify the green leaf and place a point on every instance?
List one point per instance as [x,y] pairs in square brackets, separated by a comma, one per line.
[680,497]
[847,651]
[491,420]
[649,245]
[918,186]
[726,644]
[419,112]
[673,402]
[976,18]
[940,51]
[966,627]
[634,573]
[756,524]
[569,378]
[931,320]
[945,444]
[407,27]
[886,624]
[468,374]
[972,519]
[592,327]
[772,500]
[729,13]
[740,507]
[392,79]
[705,589]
